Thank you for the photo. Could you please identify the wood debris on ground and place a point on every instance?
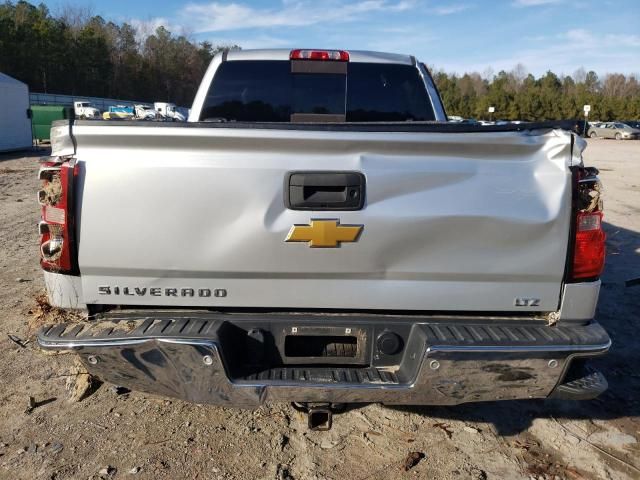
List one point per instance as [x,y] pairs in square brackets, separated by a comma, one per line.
[80,383]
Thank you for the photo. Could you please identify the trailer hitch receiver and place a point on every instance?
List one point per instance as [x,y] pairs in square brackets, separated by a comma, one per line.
[320,417]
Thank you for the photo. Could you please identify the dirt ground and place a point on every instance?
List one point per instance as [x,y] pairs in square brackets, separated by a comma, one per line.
[116,435]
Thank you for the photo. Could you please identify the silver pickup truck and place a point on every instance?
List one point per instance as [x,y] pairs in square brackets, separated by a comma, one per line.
[318,233]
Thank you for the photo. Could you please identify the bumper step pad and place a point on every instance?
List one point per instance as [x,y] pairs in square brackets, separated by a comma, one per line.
[205,326]
[586,388]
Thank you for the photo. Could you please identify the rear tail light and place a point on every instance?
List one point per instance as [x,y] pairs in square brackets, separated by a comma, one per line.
[57,242]
[589,250]
[589,247]
[327,55]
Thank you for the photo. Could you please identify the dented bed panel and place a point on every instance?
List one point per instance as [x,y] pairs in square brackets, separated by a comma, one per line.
[196,217]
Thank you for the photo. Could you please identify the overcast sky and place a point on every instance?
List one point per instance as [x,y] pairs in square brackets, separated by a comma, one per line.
[457,36]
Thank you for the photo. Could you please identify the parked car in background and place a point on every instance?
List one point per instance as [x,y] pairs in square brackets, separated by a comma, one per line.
[581,127]
[83,109]
[632,123]
[617,130]
[458,119]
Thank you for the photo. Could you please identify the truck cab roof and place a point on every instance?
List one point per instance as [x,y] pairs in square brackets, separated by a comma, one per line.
[356,56]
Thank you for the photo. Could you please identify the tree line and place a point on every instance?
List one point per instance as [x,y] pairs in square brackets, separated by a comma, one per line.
[518,95]
[76,53]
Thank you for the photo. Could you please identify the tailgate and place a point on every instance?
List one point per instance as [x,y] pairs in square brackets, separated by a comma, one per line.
[194,216]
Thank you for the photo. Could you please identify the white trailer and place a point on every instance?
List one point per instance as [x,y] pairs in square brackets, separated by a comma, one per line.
[15,124]
[169,111]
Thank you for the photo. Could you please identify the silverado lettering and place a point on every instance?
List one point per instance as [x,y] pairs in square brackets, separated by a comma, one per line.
[171,292]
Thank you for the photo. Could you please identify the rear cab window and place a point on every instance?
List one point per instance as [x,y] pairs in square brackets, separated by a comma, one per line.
[310,91]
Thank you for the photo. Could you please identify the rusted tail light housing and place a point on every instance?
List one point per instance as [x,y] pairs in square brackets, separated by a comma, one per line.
[589,248]
[57,238]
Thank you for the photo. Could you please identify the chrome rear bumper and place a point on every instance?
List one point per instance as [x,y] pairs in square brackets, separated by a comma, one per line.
[191,358]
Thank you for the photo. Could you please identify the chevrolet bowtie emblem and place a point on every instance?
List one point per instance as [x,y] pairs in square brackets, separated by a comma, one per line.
[324,233]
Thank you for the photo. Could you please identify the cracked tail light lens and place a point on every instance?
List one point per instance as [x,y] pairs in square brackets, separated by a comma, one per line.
[57,252]
[589,250]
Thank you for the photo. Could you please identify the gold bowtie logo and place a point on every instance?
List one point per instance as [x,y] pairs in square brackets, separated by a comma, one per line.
[324,233]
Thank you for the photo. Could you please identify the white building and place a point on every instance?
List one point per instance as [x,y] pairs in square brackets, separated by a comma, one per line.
[15,125]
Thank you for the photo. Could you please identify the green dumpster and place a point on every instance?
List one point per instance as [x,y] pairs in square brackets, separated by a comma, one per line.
[43,115]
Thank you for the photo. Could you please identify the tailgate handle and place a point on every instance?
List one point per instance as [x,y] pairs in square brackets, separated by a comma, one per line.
[324,190]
